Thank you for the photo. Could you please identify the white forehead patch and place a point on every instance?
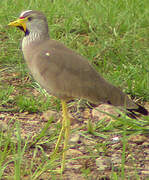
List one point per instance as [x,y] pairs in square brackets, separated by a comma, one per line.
[24,12]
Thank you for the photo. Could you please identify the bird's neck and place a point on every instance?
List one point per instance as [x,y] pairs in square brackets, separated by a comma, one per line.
[33,37]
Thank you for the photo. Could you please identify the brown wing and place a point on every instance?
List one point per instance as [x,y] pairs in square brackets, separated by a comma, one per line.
[66,74]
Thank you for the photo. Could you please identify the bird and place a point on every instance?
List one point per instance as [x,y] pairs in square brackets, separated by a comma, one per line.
[64,73]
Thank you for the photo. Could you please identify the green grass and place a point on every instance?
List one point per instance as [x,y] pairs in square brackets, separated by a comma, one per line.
[113,35]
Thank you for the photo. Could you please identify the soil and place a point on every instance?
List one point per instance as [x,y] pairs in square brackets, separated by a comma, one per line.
[95,157]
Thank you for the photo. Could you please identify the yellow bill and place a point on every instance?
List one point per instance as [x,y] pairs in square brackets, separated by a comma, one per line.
[19,23]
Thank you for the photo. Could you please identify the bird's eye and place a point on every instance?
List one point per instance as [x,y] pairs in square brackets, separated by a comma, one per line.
[29,18]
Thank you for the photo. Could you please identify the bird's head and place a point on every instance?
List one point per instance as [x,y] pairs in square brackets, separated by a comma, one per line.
[31,22]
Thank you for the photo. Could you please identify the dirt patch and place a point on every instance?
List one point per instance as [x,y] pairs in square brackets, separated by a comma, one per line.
[90,156]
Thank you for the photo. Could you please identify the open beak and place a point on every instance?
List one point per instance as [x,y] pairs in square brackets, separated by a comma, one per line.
[19,23]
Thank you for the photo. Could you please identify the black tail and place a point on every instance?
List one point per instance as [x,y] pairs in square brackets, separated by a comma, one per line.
[140,110]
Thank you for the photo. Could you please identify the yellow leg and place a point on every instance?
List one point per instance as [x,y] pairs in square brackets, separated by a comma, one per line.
[60,137]
[66,124]
[66,130]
